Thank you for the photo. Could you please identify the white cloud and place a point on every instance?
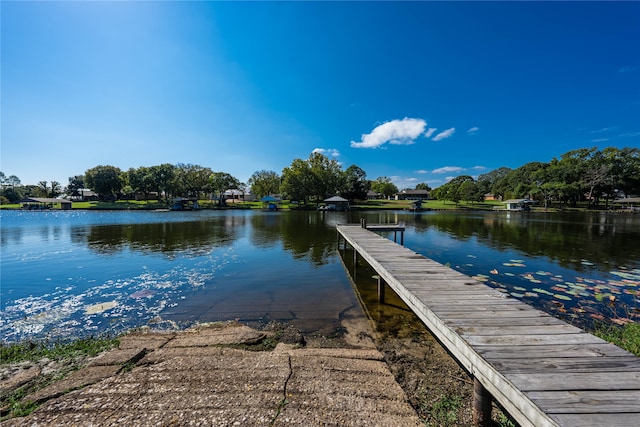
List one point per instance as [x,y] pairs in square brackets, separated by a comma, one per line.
[479,168]
[329,152]
[448,169]
[599,140]
[404,182]
[403,131]
[444,134]
[473,129]
[422,171]
[430,132]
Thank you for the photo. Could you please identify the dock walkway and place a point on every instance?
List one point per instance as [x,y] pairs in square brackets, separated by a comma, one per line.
[541,370]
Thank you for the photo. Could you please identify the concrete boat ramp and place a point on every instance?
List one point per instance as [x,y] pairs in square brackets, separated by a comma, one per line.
[195,378]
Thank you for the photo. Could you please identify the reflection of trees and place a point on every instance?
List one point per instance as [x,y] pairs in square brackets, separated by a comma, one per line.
[304,234]
[166,237]
[568,239]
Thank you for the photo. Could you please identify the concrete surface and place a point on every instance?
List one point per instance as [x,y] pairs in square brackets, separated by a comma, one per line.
[193,378]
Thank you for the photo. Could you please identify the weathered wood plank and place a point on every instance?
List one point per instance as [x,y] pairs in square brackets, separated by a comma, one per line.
[562,365]
[530,352]
[590,420]
[540,381]
[587,401]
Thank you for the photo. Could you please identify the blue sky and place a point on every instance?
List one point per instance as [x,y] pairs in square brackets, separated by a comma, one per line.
[416,91]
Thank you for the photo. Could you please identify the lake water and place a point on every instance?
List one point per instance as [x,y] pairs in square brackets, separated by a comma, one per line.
[76,273]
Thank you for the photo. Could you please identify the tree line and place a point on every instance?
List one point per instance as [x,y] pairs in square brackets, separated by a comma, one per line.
[585,174]
[310,180]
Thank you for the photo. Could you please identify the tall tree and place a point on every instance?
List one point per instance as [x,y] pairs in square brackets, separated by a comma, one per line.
[264,182]
[488,182]
[355,183]
[75,183]
[296,181]
[104,180]
[383,185]
[221,182]
[162,177]
[327,176]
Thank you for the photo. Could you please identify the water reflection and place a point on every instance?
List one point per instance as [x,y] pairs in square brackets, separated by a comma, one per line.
[606,241]
[306,235]
[167,238]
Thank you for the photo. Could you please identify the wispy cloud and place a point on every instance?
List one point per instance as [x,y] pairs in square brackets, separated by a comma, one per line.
[479,168]
[608,129]
[430,132]
[403,131]
[329,152]
[629,135]
[444,134]
[448,169]
[422,171]
[473,130]
[599,140]
[629,69]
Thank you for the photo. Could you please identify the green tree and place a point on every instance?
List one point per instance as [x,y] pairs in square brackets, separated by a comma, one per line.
[296,181]
[104,180]
[44,190]
[191,180]
[12,194]
[162,178]
[327,176]
[625,170]
[423,186]
[264,182]
[141,181]
[488,182]
[75,183]
[454,189]
[220,182]
[383,185]
[356,184]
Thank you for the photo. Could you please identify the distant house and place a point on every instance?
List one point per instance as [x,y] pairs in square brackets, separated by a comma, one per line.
[42,203]
[237,195]
[372,195]
[84,195]
[491,196]
[412,195]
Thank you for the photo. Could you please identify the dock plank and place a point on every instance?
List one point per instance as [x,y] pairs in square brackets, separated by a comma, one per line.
[542,370]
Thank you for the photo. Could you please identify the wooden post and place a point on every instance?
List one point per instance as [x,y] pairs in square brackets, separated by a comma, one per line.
[402,238]
[481,405]
[355,264]
[380,290]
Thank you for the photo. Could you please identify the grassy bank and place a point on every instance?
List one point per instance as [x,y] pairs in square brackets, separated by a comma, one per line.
[381,204]
[36,350]
[59,358]
[627,337]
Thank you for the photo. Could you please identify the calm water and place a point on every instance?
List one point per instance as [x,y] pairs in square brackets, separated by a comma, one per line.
[68,274]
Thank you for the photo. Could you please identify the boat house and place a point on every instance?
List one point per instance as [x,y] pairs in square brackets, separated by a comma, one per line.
[41,203]
[517,205]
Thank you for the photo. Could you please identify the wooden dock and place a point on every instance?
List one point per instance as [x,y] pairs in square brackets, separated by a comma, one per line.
[541,370]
